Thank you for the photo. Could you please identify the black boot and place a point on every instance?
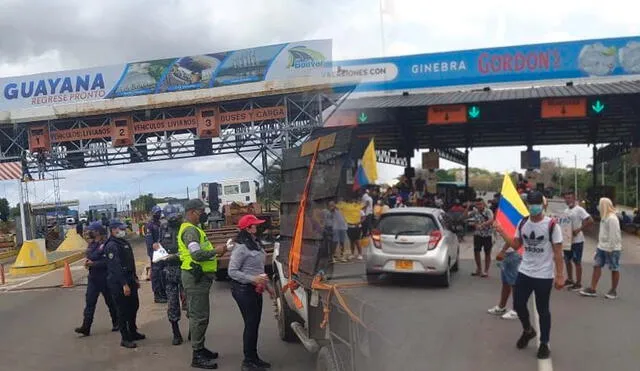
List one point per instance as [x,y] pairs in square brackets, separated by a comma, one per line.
[200,360]
[260,363]
[128,344]
[85,329]
[251,366]
[135,335]
[114,326]
[177,336]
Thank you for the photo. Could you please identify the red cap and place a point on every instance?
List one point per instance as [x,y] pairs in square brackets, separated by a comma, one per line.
[249,220]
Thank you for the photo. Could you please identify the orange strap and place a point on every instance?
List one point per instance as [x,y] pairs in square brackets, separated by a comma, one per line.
[296,245]
[334,290]
[292,286]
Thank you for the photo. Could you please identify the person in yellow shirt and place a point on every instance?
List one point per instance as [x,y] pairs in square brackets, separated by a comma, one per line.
[353,214]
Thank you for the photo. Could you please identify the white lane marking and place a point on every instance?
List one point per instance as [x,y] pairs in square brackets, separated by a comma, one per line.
[543,364]
[13,287]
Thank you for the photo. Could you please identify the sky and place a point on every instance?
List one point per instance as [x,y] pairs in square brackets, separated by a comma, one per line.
[67,34]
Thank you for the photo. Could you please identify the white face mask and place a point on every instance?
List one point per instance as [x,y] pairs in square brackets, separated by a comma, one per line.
[121,234]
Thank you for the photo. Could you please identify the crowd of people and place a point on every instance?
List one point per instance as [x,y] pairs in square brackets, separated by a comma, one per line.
[184,264]
[534,259]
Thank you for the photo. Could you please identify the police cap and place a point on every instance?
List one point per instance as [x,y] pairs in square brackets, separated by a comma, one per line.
[195,204]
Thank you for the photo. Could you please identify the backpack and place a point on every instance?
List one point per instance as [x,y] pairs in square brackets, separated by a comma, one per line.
[552,225]
[169,239]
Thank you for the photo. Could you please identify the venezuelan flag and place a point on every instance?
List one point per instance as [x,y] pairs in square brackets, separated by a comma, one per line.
[511,208]
[367,172]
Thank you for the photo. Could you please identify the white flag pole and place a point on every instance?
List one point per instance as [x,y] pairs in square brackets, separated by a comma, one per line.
[23,224]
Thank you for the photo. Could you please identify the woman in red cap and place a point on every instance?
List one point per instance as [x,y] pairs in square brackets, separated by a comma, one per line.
[248,279]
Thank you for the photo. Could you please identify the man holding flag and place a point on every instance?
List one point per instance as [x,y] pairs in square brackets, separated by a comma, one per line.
[367,174]
[541,239]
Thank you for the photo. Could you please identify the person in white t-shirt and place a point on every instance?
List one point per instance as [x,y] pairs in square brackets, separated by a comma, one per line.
[542,242]
[580,219]
[367,208]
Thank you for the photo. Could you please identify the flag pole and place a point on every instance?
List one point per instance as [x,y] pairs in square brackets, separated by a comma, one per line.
[23,225]
[382,42]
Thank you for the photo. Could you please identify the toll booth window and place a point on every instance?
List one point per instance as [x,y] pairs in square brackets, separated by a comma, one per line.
[244,187]
[231,189]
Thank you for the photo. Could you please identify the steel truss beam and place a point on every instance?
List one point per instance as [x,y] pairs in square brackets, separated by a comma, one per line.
[258,143]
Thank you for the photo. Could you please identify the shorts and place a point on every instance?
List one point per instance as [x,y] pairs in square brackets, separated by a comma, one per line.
[354,233]
[339,236]
[610,258]
[367,224]
[482,242]
[575,254]
[509,268]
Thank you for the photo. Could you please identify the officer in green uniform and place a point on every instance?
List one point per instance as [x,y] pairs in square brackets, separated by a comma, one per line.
[198,264]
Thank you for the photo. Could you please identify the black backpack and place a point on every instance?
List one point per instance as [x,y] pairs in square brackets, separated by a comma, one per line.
[169,239]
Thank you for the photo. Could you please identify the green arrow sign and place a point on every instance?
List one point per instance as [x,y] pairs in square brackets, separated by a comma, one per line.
[362,118]
[474,112]
[597,107]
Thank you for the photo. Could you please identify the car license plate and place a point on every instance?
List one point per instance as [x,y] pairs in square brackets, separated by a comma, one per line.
[405,265]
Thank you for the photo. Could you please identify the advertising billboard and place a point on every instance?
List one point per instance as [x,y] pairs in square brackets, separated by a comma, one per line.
[565,60]
[266,63]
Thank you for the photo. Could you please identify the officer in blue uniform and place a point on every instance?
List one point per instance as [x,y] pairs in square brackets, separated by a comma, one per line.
[123,282]
[152,237]
[96,262]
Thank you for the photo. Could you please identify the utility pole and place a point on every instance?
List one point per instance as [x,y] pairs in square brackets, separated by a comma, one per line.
[188,193]
[602,177]
[624,180]
[575,174]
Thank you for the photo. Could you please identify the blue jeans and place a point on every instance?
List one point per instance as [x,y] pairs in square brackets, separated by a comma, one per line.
[575,254]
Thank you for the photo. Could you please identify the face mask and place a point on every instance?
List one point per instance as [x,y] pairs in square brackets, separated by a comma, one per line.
[121,233]
[203,218]
[535,209]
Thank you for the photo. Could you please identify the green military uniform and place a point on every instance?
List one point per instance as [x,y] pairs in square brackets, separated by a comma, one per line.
[198,269]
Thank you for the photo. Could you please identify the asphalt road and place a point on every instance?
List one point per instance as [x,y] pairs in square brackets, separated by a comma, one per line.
[426,327]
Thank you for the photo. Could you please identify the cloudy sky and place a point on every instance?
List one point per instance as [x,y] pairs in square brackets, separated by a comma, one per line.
[42,36]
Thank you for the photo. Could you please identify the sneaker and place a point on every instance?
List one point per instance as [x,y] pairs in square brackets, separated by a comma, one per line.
[525,338]
[568,283]
[612,294]
[575,287]
[510,315]
[497,311]
[543,351]
[589,292]
[360,257]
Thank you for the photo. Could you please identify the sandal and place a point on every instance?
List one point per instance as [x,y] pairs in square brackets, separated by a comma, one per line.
[476,274]
[484,275]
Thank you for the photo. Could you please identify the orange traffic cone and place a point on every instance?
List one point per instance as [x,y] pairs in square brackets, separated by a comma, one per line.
[67,280]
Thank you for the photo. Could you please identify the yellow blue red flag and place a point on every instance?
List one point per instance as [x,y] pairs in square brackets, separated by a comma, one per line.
[367,172]
[511,208]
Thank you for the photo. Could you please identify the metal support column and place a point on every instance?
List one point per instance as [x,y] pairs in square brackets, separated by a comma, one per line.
[594,168]
[466,168]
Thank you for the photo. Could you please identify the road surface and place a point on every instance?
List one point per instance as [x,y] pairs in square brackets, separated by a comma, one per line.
[431,328]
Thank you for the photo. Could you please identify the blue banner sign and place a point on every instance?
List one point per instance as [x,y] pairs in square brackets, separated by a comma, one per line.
[566,60]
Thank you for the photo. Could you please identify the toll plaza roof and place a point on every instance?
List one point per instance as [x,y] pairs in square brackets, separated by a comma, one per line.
[586,113]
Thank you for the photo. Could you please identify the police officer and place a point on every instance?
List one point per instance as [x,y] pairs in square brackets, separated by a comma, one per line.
[152,238]
[173,282]
[199,264]
[96,262]
[123,282]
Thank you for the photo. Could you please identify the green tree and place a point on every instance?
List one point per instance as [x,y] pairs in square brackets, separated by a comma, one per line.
[143,203]
[5,209]
[15,211]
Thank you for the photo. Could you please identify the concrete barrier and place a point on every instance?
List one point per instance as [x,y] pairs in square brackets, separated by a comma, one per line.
[73,242]
[34,259]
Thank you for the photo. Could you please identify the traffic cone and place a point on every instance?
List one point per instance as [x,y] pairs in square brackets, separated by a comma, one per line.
[67,280]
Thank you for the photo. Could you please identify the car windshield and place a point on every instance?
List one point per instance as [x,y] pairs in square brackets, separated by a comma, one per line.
[407,224]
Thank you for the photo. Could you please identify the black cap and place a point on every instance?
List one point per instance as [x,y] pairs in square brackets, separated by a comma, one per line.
[194,204]
[535,198]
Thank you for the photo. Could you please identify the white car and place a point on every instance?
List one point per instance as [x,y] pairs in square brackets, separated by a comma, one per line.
[414,240]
